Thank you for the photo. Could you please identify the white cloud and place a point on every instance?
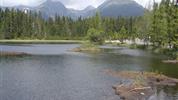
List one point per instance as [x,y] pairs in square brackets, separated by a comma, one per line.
[19,2]
[146,3]
[76,4]
[81,4]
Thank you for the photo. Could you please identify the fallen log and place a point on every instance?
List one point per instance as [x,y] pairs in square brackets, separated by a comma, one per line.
[142,88]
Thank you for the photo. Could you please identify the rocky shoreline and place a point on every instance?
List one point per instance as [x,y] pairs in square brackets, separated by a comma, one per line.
[142,85]
[132,92]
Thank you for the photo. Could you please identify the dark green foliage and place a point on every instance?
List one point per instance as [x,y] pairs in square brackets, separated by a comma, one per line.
[15,24]
[95,36]
[164,27]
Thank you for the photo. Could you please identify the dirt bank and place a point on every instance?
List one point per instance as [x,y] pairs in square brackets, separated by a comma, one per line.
[4,53]
[171,61]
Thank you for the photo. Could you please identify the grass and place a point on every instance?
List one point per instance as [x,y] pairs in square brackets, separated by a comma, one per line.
[88,47]
[40,41]
[140,80]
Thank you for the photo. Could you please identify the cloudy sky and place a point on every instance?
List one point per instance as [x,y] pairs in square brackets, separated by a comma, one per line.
[76,4]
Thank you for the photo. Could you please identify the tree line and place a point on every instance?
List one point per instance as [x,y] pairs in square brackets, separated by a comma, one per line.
[16,24]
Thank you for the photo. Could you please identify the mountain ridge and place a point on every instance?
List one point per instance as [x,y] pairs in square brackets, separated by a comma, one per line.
[120,8]
[110,8]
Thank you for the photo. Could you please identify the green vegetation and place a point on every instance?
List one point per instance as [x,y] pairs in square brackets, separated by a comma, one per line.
[88,47]
[164,27]
[15,24]
[95,36]
[158,27]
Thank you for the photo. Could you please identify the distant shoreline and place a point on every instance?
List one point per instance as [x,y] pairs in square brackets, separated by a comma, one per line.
[40,41]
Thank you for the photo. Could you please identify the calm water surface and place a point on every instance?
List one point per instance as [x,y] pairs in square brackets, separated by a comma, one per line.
[55,73]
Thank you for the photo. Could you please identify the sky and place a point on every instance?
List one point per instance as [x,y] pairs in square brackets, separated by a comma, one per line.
[75,4]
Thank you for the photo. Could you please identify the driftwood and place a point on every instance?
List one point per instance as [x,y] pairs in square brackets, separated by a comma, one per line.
[142,88]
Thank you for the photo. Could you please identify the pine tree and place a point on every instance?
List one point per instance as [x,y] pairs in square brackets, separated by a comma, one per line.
[158,31]
[122,35]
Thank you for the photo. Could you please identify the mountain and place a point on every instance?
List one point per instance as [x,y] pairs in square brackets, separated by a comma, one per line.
[22,7]
[89,8]
[82,13]
[51,8]
[114,8]
[89,11]
[110,8]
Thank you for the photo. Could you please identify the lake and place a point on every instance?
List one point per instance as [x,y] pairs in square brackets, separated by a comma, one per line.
[56,73]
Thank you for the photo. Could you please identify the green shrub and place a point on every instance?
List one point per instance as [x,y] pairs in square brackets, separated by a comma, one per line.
[95,36]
